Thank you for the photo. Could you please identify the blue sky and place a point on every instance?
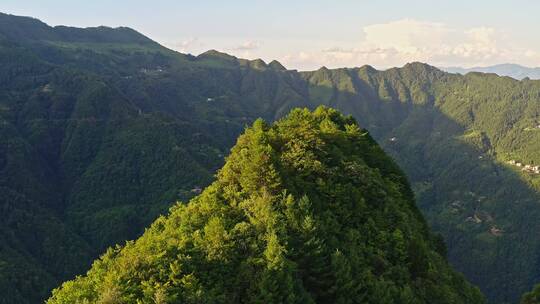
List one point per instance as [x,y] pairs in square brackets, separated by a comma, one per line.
[309,34]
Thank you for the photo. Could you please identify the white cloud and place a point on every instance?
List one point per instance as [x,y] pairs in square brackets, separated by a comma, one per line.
[407,35]
[246,46]
[189,45]
[398,42]
[249,49]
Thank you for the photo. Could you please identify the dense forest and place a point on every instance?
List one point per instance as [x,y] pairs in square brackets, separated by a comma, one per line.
[309,210]
[102,130]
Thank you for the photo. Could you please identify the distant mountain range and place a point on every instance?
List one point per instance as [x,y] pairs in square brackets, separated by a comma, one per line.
[515,71]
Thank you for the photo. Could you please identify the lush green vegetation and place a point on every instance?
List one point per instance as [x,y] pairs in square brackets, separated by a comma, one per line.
[102,130]
[532,297]
[309,210]
[452,135]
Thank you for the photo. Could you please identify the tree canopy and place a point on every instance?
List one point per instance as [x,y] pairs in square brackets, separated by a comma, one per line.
[308,210]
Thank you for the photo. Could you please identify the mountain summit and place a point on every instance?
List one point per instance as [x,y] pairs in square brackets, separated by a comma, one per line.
[27,29]
[309,210]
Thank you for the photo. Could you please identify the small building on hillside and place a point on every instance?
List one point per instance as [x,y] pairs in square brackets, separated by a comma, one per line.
[196,190]
[495,231]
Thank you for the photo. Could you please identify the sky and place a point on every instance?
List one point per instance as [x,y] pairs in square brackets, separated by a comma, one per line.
[306,35]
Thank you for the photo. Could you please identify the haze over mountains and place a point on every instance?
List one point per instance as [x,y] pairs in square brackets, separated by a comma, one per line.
[515,71]
[102,130]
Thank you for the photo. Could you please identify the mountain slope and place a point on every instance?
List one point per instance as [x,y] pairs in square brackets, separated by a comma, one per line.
[309,210]
[452,135]
[30,30]
[130,121]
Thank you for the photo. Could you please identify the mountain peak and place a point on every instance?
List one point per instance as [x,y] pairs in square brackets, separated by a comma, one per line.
[102,34]
[297,208]
[420,66]
[27,29]
[323,68]
[258,64]
[276,65]
[419,70]
[368,68]
[215,54]
[24,28]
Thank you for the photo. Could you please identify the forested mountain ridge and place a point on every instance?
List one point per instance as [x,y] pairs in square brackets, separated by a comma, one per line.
[309,210]
[29,30]
[100,135]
